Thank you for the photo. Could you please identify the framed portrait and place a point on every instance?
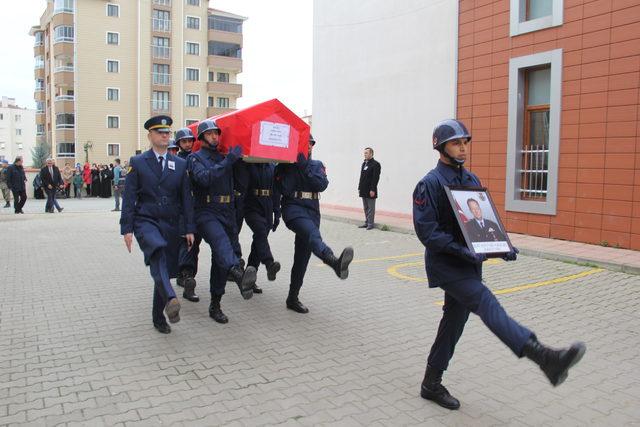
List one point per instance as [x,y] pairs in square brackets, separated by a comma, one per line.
[479,221]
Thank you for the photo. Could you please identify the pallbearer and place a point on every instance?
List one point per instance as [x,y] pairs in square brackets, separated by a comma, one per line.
[157,193]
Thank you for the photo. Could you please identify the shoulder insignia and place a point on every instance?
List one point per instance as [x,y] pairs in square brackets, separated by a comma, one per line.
[419,197]
[129,169]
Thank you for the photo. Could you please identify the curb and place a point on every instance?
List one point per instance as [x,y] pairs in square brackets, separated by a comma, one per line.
[553,256]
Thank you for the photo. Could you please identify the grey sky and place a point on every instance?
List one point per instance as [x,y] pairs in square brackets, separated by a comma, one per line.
[277,51]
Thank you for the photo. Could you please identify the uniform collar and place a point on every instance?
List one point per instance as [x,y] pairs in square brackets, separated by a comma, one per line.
[448,171]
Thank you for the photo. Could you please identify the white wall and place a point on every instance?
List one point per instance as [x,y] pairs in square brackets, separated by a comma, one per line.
[384,74]
[11,144]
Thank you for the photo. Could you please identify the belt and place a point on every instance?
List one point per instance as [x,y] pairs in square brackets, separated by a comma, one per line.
[237,193]
[219,199]
[306,195]
[263,193]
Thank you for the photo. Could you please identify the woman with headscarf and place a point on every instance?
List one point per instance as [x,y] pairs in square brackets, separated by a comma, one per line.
[86,177]
[105,182]
[95,180]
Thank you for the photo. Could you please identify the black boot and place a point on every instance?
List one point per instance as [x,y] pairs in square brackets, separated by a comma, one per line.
[293,303]
[554,363]
[215,312]
[189,283]
[244,279]
[257,289]
[339,265]
[7,205]
[272,270]
[180,279]
[432,389]
[241,264]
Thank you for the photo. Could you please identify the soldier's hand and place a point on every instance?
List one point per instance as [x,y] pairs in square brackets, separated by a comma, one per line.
[235,152]
[474,258]
[276,221]
[511,256]
[372,194]
[128,239]
[190,239]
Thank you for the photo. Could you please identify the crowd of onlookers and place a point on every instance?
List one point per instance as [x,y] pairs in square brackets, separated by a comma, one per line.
[96,180]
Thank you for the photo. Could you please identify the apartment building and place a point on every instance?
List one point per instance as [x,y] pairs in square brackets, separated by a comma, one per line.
[103,67]
[17,131]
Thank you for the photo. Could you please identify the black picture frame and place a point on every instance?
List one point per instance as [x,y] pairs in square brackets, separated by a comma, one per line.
[490,241]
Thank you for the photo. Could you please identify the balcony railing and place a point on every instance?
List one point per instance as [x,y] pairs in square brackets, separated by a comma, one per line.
[65,98]
[161,25]
[160,106]
[162,2]
[160,52]
[65,126]
[63,39]
[62,68]
[161,79]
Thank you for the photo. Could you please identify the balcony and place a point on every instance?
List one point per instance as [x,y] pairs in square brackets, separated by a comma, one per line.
[225,62]
[225,36]
[160,79]
[161,25]
[38,73]
[63,78]
[160,52]
[63,49]
[40,118]
[38,49]
[39,95]
[65,18]
[216,111]
[160,106]
[65,98]
[233,89]
[166,3]
[64,106]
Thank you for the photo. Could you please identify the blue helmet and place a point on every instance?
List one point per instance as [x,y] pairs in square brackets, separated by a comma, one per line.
[449,130]
[184,133]
[206,125]
[172,144]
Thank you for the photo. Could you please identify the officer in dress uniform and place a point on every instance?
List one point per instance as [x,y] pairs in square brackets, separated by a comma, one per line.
[300,185]
[187,257]
[157,192]
[212,177]
[262,214]
[458,271]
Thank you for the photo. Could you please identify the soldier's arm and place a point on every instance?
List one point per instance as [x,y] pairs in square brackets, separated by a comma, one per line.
[187,204]
[425,220]
[204,176]
[129,199]
[317,175]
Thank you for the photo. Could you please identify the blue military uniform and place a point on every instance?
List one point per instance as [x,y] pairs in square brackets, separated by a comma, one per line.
[261,209]
[212,177]
[156,194]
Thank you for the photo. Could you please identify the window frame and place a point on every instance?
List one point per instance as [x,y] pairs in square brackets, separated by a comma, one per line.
[117,61]
[117,89]
[186,97]
[106,10]
[218,98]
[117,33]
[188,122]
[186,50]
[518,12]
[186,74]
[113,116]
[195,5]
[186,22]
[516,127]
[113,144]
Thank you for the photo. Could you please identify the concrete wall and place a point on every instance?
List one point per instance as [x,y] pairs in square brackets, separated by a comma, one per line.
[384,74]
[11,144]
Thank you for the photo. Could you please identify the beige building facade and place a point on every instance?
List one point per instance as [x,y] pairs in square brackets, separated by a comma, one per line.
[103,67]
[17,131]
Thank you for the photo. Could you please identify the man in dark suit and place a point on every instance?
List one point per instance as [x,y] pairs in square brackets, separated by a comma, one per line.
[368,187]
[481,229]
[51,181]
[157,193]
[16,179]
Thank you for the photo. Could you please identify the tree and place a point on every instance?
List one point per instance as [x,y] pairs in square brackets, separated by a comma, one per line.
[40,153]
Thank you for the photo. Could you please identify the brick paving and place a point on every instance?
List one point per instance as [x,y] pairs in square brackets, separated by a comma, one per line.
[77,346]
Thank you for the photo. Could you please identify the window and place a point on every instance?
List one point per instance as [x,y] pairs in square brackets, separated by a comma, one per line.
[225,49]
[193,2]
[39,106]
[192,74]
[39,61]
[222,23]
[20,146]
[113,122]
[63,33]
[192,48]
[190,122]
[17,118]
[223,77]
[62,63]
[113,94]
[66,149]
[162,2]
[223,103]
[192,100]
[533,15]
[160,74]
[160,101]
[39,38]
[65,121]
[1,116]
[18,132]
[193,22]
[113,150]
[113,38]
[113,10]
[113,66]
[160,48]
[161,20]
[39,130]
[211,75]
[211,102]
[39,85]
[63,6]
[534,132]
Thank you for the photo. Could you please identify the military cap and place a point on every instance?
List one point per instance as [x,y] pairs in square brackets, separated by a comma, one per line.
[159,123]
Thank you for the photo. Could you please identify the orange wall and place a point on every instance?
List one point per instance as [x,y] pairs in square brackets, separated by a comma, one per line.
[599,174]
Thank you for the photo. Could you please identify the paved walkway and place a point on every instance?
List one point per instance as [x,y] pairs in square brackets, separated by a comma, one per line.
[77,346]
[616,259]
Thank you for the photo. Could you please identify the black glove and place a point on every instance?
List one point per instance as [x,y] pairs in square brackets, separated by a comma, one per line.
[302,161]
[471,257]
[235,153]
[511,256]
[276,220]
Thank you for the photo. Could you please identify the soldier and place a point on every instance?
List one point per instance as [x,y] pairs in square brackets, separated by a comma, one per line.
[212,176]
[458,271]
[300,185]
[172,148]
[157,192]
[187,256]
[262,214]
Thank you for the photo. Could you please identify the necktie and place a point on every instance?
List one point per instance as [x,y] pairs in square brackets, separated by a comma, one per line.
[481,224]
[51,172]
[160,163]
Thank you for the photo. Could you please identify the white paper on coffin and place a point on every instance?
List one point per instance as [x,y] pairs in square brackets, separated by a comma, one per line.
[274,134]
